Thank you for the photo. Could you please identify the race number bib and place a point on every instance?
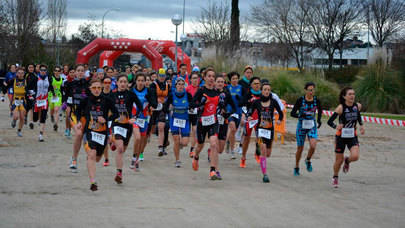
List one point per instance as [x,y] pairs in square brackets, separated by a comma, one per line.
[41,103]
[307,124]
[55,99]
[348,132]
[236,116]
[70,100]
[264,133]
[179,123]
[252,123]
[194,111]
[18,102]
[140,122]
[208,120]
[98,138]
[120,131]
[221,119]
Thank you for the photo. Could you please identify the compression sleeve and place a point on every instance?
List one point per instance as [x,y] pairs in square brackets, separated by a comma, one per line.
[332,119]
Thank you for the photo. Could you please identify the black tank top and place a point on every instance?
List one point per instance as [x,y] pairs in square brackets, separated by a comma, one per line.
[349,116]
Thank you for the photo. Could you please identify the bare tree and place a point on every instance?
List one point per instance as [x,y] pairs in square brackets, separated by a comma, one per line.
[56,17]
[386,19]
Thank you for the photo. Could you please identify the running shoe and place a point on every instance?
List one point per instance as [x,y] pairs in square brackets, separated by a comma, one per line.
[52,119]
[106,163]
[257,157]
[141,157]
[31,126]
[296,172]
[266,178]
[73,165]
[219,176]
[93,187]
[191,154]
[66,133]
[19,134]
[242,163]
[2,98]
[55,127]
[41,138]
[118,178]
[132,165]
[13,123]
[346,166]
[136,169]
[240,151]
[160,154]
[209,153]
[177,164]
[335,182]
[213,175]
[195,164]
[309,165]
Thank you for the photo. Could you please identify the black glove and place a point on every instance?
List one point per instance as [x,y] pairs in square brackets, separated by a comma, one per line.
[319,124]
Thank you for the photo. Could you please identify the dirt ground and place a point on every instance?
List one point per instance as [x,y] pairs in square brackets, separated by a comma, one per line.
[38,190]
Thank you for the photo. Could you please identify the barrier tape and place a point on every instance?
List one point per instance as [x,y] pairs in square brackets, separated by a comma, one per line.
[369,119]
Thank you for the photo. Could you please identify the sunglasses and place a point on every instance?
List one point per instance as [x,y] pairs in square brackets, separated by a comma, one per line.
[107,83]
[95,87]
[43,70]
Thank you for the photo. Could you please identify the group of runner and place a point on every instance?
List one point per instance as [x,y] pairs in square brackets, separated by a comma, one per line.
[106,108]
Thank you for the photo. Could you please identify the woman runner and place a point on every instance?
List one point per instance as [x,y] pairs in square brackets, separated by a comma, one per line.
[19,101]
[55,101]
[192,89]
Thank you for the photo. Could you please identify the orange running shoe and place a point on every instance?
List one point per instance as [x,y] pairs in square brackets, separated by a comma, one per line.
[191,154]
[257,157]
[213,175]
[242,163]
[195,164]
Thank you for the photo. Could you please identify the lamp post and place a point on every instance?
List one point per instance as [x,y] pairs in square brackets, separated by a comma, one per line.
[183,39]
[176,20]
[102,21]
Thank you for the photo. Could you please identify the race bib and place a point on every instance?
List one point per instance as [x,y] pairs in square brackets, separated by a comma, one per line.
[159,107]
[264,133]
[120,131]
[194,111]
[55,99]
[98,138]
[18,102]
[221,119]
[140,122]
[348,132]
[252,123]
[179,123]
[41,103]
[208,120]
[235,116]
[307,124]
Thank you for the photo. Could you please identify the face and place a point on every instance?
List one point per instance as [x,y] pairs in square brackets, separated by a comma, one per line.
[310,91]
[65,68]
[107,84]
[183,70]
[140,82]
[266,90]
[86,66]
[147,82]
[248,73]
[80,72]
[153,77]
[234,80]
[20,74]
[170,71]
[110,73]
[162,77]
[350,95]
[219,83]
[37,68]
[210,77]
[72,73]
[95,88]
[56,72]
[180,86]
[31,68]
[100,75]
[128,70]
[122,83]
[194,80]
[255,85]
[42,70]
[13,68]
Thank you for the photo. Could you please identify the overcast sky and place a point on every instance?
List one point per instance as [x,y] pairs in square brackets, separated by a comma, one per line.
[141,19]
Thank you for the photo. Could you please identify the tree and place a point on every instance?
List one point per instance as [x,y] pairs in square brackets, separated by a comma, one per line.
[386,18]
[56,17]
[235,27]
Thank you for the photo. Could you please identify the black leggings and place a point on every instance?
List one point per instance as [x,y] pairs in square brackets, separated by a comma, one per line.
[41,118]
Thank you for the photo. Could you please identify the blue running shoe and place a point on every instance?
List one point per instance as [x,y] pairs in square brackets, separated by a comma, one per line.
[309,165]
[296,172]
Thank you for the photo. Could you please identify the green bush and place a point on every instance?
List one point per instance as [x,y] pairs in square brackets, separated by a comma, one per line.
[344,76]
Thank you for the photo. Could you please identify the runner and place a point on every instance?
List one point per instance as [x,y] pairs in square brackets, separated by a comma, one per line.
[346,135]
[55,101]
[67,98]
[264,107]
[10,76]
[80,91]
[183,74]
[19,100]
[177,106]
[122,127]
[148,81]
[192,89]
[31,79]
[237,93]
[306,106]
[107,82]
[207,100]
[95,109]
[42,89]
[148,98]
[159,116]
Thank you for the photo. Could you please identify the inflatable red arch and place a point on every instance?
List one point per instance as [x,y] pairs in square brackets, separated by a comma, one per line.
[123,44]
[164,47]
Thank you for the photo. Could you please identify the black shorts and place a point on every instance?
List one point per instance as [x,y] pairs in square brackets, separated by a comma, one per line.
[341,143]
[92,145]
[157,116]
[202,131]
[193,119]
[30,104]
[222,131]
[41,118]
[264,140]
[117,136]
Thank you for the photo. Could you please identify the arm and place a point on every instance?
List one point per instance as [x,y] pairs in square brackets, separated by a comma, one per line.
[337,112]
[319,113]
[294,113]
[110,107]
[280,112]
[280,104]
[151,97]
[50,87]
[229,101]
[134,99]
[167,103]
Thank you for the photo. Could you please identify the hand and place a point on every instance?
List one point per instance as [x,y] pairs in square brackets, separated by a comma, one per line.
[319,124]
[250,118]
[100,119]
[362,131]
[339,127]
[132,121]
[243,118]
[79,126]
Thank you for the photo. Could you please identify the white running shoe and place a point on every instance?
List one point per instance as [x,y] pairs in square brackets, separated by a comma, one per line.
[41,138]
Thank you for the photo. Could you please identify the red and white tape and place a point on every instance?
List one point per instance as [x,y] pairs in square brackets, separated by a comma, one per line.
[369,119]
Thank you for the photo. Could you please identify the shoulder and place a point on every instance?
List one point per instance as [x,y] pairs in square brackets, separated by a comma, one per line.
[359,106]
[339,109]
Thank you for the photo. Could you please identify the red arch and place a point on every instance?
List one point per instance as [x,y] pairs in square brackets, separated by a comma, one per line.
[123,44]
[164,47]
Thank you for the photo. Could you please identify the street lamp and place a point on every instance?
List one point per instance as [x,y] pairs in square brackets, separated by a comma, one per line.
[102,21]
[183,39]
[176,20]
